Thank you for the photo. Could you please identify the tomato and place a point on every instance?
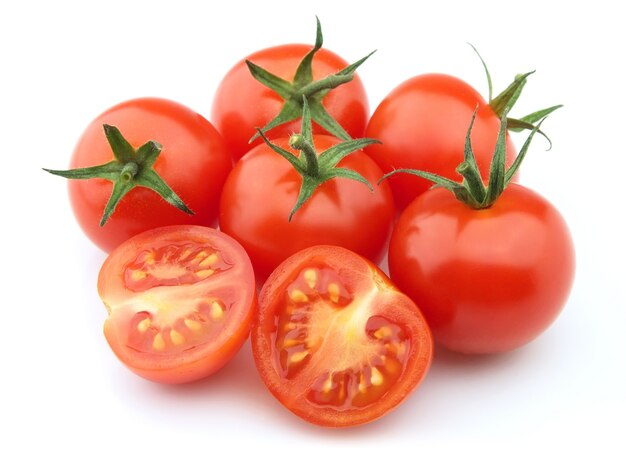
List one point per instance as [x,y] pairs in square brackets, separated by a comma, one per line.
[487,280]
[180,301]
[262,189]
[335,341]
[241,103]
[422,124]
[194,162]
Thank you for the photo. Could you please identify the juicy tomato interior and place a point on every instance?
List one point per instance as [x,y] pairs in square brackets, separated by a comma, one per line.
[337,343]
[180,301]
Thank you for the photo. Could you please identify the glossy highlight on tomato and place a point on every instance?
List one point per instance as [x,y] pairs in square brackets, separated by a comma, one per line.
[180,301]
[263,187]
[422,125]
[335,341]
[194,162]
[487,280]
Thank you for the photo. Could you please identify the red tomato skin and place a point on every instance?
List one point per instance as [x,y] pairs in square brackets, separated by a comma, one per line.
[241,104]
[263,187]
[486,280]
[194,162]
[422,125]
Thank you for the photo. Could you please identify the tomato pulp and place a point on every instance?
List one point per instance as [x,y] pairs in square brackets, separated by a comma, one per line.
[180,302]
[335,341]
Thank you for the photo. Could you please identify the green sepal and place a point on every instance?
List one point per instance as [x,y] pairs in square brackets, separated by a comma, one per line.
[130,169]
[468,191]
[317,169]
[507,99]
[303,85]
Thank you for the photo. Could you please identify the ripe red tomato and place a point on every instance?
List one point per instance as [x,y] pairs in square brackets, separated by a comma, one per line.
[241,103]
[262,189]
[194,162]
[335,341]
[180,302]
[423,123]
[487,280]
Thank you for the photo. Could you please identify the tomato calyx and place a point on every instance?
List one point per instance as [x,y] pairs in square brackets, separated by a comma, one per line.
[317,169]
[130,168]
[503,102]
[471,190]
[303,85]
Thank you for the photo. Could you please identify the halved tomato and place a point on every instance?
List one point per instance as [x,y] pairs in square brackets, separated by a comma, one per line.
[180,302]
[335,341]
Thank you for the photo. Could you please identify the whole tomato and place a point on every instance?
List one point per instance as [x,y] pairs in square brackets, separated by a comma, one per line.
[266,89]
[260,193]
[164,160]
[486,280]
[490,266]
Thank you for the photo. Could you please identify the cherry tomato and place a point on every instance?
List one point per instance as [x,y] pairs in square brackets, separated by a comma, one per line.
[194,162]
[335,341]
[486,280]
[180,302]
[263,187]
[423,123]
[241,104]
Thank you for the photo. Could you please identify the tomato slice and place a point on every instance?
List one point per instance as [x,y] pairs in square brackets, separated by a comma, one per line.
[180,302]
[335,341]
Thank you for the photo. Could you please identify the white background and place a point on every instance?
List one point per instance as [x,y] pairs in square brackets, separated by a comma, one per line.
[62,392]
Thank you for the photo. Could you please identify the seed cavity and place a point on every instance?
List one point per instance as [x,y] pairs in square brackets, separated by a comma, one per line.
[205,273]
[217,310]
[192,324]
[298,296]
[298,356]
[310,276]
[158,343]
[377,377]
[333,292]
[144,325]
[208,261]
[176,337]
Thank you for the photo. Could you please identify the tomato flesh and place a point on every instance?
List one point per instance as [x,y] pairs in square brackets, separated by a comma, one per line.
[336,342]
[180,300]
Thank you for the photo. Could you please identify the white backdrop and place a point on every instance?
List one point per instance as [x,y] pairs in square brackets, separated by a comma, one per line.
[64,394]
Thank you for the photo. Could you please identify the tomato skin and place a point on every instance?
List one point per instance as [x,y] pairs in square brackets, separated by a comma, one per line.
[423,123]
[486,280]
[241,104]
[263,187]
[370,289]
[194,162]
[171,304]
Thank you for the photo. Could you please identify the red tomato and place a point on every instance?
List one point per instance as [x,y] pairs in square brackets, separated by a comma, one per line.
[194,162]
[486,280]
[180,302]
[423,123]
[335,341]
[263,187]
[241,104]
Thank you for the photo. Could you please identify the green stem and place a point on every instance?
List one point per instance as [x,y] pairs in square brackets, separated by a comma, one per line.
[298,142]
[327,83]
[128,172]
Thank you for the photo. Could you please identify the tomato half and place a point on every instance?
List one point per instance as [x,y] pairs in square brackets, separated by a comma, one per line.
[194,162]
[335,341]
[241,104]
[423,123]
[486,280]
[263,187]
[180,302]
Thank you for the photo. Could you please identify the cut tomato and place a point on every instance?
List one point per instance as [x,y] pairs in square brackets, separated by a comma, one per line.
[180,302]
[335,341]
